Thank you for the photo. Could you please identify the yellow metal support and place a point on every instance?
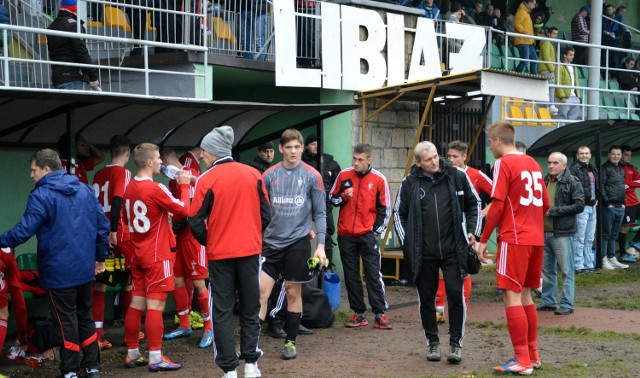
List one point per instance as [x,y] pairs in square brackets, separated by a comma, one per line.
[364,120]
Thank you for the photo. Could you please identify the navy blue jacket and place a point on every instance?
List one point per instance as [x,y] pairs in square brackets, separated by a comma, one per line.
[72,230]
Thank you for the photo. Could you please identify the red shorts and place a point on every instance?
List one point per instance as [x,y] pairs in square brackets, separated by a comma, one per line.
[126,249]
[4,300]
[518,266]
[191,260]
[155,278]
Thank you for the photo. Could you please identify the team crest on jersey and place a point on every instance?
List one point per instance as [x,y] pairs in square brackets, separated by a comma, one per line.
[300,182]
[370,185]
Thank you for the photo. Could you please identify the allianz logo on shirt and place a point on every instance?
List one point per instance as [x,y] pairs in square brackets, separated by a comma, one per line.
[298,200]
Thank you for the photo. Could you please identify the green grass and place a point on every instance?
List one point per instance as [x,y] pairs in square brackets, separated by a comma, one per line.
[617,302]
[607,277]
[343,316]
[583,333]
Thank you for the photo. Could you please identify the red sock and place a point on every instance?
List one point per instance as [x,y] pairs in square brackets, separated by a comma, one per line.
[441,294]
[467,289]
[203,301]
[154,327]
[132,328]
[97,311]
[181,297]
[126,301]
[188,284]
[518,330]
[3,330]
[532,335]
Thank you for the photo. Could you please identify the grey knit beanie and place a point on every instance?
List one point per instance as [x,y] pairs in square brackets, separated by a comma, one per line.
[218,142]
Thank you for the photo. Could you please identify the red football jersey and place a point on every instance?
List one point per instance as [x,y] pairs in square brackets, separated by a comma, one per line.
[632,182]
[148,204]
[518,182]
[111,181]
[481,182]
[189,160]
[81,168]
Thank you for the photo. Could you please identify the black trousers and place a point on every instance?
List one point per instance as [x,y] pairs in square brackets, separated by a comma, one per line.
[427,285]
[351,250]
[227,276]
[331,229]
[71,311]
[277,305]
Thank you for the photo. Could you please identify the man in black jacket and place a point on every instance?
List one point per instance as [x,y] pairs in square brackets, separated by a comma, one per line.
[430,211]
[613,204]
[587,174]
[566,200]
[70,50]
[263,160]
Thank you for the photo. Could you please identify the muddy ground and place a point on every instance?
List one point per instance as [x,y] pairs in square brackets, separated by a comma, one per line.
[592,342]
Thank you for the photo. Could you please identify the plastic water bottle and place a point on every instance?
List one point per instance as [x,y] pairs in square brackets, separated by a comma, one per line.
[171,171]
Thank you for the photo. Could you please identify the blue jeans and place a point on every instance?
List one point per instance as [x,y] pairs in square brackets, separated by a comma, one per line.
[252,35]
[72,85]
[557,252]
[611,224]
[528,52]
[583,239]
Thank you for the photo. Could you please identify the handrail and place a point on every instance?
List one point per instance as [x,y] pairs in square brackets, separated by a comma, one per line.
[621,23]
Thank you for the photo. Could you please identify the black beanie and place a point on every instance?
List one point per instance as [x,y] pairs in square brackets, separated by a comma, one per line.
[311,138]
[266,146]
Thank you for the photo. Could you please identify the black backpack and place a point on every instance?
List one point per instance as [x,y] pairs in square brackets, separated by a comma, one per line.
[316,311]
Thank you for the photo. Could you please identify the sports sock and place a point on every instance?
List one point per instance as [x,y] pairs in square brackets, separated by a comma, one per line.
[3,330]
[467,289]
[441,294]
[292,325]
[132,328]
[154,326]
[155,356]
[622,243]
[518,331]
[188,284]
[203,301]
[181,297]
[97,310]
[127,295]
[532,335]
[133,353]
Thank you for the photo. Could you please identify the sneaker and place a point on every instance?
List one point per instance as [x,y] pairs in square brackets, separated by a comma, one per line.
[614,262]
[16,353]
[178,333]
[627,258]
[164,365]
[633,252]
[455,355]
[196,320]
[434,352]
[230,374]
[91,373]
[130,363]
[536,364]
[207,340]
[357,320]
[515,367]
[104,345]
[606,265]
[382,322]
[251,370]
[440,318]
[635,245]
[289,351]
[553,110]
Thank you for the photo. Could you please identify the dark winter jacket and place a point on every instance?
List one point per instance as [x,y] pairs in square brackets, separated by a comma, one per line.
[71,228]
[259,164]
[581,171]
[330,169]
[71,50]
[613,192]
[569,202]
[408,214]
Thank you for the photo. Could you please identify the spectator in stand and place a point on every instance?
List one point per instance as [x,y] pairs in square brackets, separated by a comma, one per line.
[73,239]
[458,14]
[548,66]
[524,25]
[622,30]
[613,202]
[4,15]
[632,204]
[610,58]
[628,79]
[507,25]
[253,26]
[87,156]
[567,200]
[570,98]
[430,9]
[538,19]
[70,50]
[484,18]
[580,33]
[586,221]
[496,18]
[263,160]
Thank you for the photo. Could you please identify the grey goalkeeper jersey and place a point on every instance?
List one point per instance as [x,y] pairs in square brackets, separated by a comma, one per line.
[297,198]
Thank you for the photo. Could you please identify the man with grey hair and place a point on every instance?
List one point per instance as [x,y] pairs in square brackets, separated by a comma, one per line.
[435,233]
[566,199]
